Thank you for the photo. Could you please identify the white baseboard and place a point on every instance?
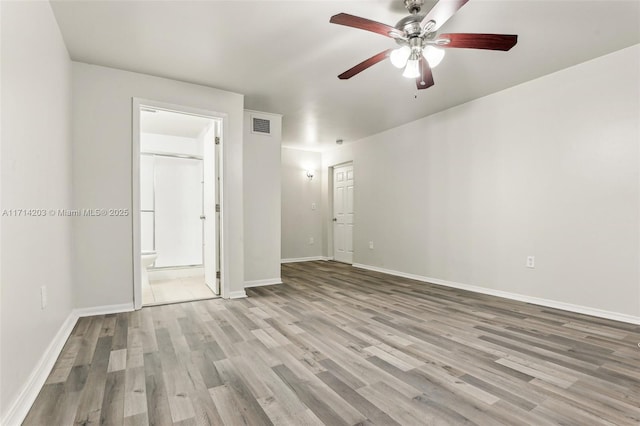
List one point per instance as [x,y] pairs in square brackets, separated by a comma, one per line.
[260,283]
[237,294]
[21,405]
[616,316]
[19,408]
[305,259]
[104,310]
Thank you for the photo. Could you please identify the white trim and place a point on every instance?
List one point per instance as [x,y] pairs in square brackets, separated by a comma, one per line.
[20,406]
[136,244]
[600,313]
[136,103]
[260,283]
[237,294]
[103,310]
[304,259]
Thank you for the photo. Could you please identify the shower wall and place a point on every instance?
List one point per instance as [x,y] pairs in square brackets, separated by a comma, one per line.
[171,199]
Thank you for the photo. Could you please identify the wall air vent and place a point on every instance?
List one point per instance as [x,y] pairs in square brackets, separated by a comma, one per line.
[261,126]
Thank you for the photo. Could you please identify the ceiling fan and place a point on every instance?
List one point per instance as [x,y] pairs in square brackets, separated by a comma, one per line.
[420,45]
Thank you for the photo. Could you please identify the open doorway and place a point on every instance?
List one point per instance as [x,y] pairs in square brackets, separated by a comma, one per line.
[177,210]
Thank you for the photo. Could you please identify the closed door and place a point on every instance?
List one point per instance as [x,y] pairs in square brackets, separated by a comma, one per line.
[343,213]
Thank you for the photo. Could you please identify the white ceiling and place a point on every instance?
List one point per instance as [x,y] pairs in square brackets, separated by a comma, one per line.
[284,56]
[172,123]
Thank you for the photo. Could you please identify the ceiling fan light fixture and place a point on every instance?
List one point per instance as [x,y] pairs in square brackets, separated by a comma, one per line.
[419,41]
[400,56]
[412,70]
[433,55]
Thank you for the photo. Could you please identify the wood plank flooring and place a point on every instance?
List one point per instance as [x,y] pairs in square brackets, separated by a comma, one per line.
[337,345]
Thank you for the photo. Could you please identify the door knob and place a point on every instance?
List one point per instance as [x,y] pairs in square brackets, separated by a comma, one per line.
[335,219]
[203,217]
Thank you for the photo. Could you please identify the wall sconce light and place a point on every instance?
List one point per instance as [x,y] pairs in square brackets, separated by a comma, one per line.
[310,174]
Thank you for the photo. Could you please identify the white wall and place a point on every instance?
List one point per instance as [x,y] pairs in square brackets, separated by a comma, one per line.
[548,168]
[262,201]
[36,174]
[299,221]
[102,175]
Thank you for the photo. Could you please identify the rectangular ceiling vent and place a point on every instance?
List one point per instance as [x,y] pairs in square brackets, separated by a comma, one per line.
[261,125]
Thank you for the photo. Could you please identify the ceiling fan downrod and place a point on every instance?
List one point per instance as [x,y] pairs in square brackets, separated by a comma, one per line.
[413,6]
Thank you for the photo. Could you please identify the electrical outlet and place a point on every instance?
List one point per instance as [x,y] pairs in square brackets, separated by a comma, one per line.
[311,240]
[531,261]
[43,297]
[313,206]
[370,245]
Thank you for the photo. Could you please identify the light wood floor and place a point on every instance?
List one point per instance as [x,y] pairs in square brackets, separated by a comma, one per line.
[337,345]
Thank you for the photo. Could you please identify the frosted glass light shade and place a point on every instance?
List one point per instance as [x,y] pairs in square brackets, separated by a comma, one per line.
[399,56]
[412,69]
[433,55]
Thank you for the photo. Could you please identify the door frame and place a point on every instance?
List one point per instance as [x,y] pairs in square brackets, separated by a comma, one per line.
[330,233]
[223,255]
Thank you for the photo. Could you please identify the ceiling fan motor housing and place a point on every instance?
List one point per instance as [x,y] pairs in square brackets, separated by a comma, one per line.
[410,25]
[410,28]
[415,36]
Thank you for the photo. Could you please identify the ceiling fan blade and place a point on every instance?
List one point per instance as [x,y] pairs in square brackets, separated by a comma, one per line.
[364,65]
[441,12]
[365,24]
[425,79]
[479,41]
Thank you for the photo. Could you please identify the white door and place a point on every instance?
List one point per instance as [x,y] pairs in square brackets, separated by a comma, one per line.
[343,213]
[209,217]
